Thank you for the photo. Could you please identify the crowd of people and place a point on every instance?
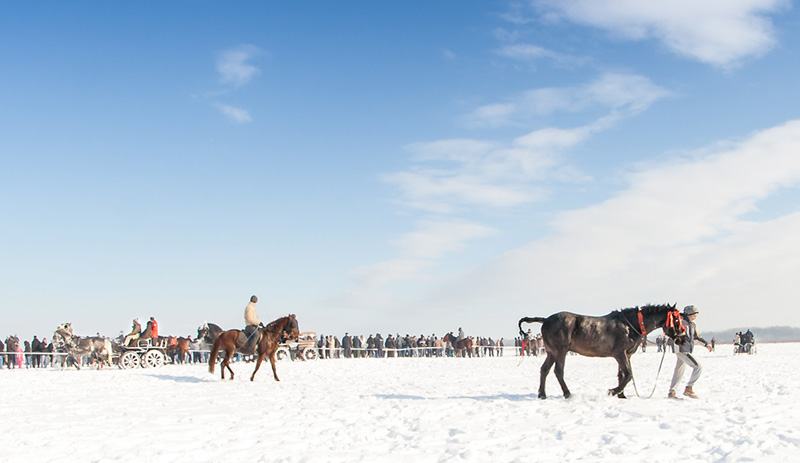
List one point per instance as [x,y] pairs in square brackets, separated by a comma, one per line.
[395,345]
[21,355]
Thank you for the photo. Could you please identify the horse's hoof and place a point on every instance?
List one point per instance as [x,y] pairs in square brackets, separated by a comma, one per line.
[542,396]
[567,395]
[621,395]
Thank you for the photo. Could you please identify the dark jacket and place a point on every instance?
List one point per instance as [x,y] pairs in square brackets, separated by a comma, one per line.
[691,335]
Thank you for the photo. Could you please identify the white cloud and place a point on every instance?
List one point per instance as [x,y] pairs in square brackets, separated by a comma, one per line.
[679,232]
[237,115]
[717,32]
[435,238]
[419,251]
[531,52]
[233,65]
[449,175]
[627,94]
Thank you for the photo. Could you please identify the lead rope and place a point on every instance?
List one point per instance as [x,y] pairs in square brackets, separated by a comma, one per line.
[633,380]
[658,373]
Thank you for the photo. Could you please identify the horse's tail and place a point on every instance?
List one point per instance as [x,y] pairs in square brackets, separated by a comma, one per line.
[528,320]
[212,356]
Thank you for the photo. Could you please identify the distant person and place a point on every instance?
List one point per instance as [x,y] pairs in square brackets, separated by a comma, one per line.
[136,331]
[685,357]
[251,325]
[150,330]
[347,345]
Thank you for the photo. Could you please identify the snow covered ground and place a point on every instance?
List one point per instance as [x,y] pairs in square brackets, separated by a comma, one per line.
[405,410]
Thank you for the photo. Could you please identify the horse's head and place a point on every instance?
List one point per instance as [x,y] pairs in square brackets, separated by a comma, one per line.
[292,328]
[673,327]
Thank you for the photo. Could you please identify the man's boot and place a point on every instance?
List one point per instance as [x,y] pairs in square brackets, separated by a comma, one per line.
[672,395]
[688,392]
[252,341]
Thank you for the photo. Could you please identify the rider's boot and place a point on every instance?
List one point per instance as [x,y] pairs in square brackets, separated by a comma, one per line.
[688,392]
[672,395]
[250,347]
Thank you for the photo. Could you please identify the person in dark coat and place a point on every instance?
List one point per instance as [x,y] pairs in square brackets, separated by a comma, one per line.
[390,346]
[347,345]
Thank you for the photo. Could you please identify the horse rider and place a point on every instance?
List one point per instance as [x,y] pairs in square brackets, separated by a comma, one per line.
[461,335]
[252,324]
[135,332]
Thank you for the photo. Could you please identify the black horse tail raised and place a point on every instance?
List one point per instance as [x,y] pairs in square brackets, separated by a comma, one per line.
[212,356]
[528,320]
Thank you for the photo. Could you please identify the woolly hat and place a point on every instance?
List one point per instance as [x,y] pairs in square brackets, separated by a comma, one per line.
[690,310]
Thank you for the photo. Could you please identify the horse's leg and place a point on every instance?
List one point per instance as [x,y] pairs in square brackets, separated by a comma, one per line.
[258,365]
[222,365]
[559,371]
[623,375]
[543,372]
[272,361]
[227,363]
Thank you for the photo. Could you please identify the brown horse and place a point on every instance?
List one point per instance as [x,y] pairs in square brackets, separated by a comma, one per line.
[232,340]
[178,349]
[459,346]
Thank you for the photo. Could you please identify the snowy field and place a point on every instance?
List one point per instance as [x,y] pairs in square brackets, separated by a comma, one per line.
[406,410]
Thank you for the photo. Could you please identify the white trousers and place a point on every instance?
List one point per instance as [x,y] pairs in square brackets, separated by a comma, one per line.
[684,359]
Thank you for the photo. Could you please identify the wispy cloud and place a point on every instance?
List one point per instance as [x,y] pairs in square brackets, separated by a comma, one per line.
[418,251]
[531,52]
[237,115]
[235,70]
[627,94]
[233,65]
[453,176]
[679,230]
[721,33]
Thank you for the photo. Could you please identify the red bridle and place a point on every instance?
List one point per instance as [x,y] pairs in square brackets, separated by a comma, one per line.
[673,319]
[641,324]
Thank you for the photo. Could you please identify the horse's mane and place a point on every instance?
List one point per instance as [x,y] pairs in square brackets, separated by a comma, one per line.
[274,325]
[648,309]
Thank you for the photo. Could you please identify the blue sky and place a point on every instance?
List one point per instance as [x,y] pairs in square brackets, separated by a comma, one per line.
[402,167]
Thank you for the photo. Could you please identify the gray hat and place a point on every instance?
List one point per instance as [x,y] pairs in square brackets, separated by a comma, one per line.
[690,310]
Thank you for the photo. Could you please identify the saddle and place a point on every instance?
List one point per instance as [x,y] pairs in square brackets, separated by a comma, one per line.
[249,340]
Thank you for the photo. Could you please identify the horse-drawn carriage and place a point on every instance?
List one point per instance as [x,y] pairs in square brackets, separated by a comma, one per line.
[146,353]
[745,347]
[304,347]
[744,343]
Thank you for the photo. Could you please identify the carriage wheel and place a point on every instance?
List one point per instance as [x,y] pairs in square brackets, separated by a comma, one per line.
[153,358]
[282,354]
[310,354]
[129,360]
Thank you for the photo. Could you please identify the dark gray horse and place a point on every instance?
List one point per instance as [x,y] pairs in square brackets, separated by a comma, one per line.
[616,335]
[207,333]
[97,348]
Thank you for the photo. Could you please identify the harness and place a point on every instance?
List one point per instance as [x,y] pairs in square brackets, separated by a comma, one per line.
[673,319]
